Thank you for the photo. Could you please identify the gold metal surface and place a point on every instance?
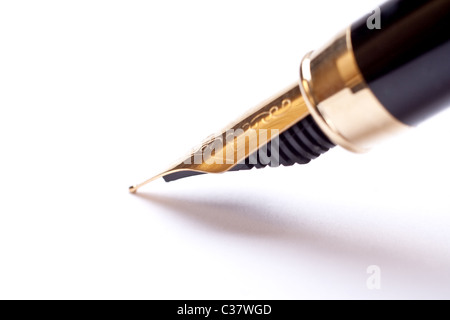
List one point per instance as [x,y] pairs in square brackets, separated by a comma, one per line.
[221,153]
[339,99]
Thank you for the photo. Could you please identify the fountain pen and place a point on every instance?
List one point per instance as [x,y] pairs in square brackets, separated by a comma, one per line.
[384,74]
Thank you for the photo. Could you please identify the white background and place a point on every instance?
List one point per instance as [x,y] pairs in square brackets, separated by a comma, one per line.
[98,95]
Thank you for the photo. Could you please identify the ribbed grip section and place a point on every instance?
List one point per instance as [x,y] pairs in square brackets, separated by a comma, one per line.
[299,144]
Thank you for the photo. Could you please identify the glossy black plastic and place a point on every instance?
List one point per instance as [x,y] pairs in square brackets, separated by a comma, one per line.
[406,62]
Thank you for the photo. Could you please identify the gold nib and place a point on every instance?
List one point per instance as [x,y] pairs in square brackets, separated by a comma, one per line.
[134,188]
[223,151]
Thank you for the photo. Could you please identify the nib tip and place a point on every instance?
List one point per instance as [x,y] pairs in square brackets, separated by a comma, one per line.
[132,189]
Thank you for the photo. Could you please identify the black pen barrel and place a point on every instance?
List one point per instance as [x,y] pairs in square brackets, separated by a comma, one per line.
[403,52]
[387,72]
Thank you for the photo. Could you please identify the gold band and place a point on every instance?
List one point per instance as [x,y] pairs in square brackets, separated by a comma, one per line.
[339,99]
